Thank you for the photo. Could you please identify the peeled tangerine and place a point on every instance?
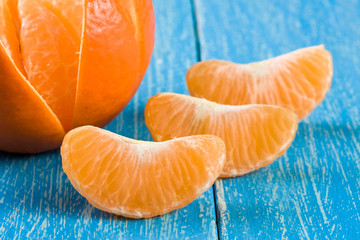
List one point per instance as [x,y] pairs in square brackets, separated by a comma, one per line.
[254,135]
[139,179]
[67,63]
[298,80]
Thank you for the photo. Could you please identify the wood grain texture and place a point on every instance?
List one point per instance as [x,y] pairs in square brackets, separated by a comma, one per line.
[38,202]
[312,192]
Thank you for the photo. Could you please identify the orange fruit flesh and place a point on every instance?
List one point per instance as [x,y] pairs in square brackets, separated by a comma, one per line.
[18,104]
[139,179]
[82,73]
[50,59]
[255,135]
[8,35]
[70,13]
[298,80]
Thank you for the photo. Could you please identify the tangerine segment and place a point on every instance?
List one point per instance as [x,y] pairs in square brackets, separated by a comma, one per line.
[108,43]
[255,135]
[70,13]
[139,179]
[298,80]
[27,125]
[8,35]
[49,56]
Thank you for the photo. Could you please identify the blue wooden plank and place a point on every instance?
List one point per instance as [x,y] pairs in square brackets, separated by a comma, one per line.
[313,191]
[36,199]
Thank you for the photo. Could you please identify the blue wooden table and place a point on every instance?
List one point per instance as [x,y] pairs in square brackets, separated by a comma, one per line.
[312,192]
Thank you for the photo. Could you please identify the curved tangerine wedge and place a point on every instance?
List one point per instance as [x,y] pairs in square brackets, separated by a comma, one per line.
[27,125]
[51,63]
[139,179]
[298,80]
[254,135]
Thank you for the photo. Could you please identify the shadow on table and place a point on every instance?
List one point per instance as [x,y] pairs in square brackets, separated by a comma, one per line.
[131,123]
[8,157]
